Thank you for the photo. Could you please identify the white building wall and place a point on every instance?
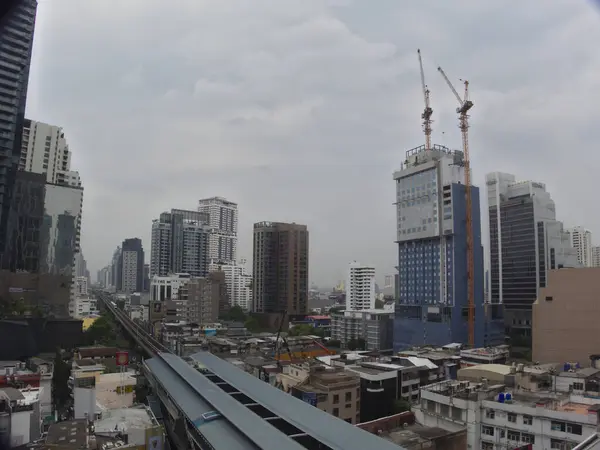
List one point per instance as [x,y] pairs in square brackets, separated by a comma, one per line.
[238,283]
[360,288]
[158,286]
[223,221]
[84,402]
[81,286]
[595,257]
[581,240]
[20,425]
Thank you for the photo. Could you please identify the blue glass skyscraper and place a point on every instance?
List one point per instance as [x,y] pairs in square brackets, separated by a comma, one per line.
[432,287]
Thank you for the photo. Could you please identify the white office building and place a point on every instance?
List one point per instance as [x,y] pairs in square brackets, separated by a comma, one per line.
[45,150]
[581,241]
[239,283]
[223,221]
[360,288]
[167,288]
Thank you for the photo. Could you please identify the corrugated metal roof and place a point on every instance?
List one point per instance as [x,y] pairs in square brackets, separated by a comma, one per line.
[324,427]
[246,424]
[220,433]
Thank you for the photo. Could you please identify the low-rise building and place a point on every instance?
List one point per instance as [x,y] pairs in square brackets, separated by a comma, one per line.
[20,418]
[332,390]
[375,326]
[507,407]
[134,427]
[485,355]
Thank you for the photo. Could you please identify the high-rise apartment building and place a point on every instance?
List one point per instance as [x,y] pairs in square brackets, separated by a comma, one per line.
[16,41]
[45,150]
[239,283]
[130,274]
[360,288]
[280,268]
[526,241]
[596,256]
[581,241]
[223,221]
[432,251]
[180,241]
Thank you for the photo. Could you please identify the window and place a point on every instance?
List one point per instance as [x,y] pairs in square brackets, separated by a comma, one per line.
[514,436]
[527,420]
[487,446]
[512,417]
[558,444]
[487,431]
[336,398]
[348,396]
[490,414]
[578,386]
[527,438]
[336,412]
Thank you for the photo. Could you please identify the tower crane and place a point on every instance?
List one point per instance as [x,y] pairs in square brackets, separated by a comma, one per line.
[428,111]
[463,114]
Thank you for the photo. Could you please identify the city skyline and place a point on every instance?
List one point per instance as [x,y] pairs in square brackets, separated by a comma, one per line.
[307,139]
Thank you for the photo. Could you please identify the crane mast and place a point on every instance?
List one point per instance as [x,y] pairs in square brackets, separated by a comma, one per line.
[463,115]
[428,111]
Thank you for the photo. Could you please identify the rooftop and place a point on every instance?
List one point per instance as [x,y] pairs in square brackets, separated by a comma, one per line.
[124,419]
[72,434]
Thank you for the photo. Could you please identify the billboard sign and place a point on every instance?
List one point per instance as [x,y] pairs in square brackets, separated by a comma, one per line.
[122,358]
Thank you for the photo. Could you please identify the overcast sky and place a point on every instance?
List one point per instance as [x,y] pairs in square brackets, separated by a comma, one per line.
[300,110]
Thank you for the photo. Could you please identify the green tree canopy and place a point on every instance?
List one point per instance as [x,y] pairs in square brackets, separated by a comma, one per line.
[235,314]
[252,325]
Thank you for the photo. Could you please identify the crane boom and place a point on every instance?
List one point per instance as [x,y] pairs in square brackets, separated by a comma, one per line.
[464,106]
[428,111]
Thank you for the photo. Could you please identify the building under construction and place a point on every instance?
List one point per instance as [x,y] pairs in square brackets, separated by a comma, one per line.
[433,286]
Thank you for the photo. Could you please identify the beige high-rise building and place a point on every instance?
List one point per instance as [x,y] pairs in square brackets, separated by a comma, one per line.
[566,316]
[280,268]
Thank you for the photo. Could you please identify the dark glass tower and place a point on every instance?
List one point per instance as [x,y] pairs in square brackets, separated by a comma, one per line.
[17,23]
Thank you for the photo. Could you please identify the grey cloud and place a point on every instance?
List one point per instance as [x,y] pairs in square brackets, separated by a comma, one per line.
[301,110]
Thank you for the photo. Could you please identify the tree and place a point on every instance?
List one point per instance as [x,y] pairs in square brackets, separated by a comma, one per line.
[61,394]
[356,344]
[379,304]
[252,325]
[102,331]
[334,343]
[301,330]
[401,406]
[235,314]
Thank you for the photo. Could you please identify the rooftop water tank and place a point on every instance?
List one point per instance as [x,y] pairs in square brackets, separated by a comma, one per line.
[501,397]
[566,367]
[508,397]
[577,366]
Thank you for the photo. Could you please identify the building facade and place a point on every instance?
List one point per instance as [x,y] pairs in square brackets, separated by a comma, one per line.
[375,327]
[167,288]
[595,256]
[432,251]
[180,243]
[44,149]
[23,243]
[565,317]
[360,289]
[223,221]
[526,241]
[16,42]
[205,298]
[280,268]
[581,241]
[130,274]
[239,283]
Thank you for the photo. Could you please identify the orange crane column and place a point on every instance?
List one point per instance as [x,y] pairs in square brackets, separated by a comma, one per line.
[463,110]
